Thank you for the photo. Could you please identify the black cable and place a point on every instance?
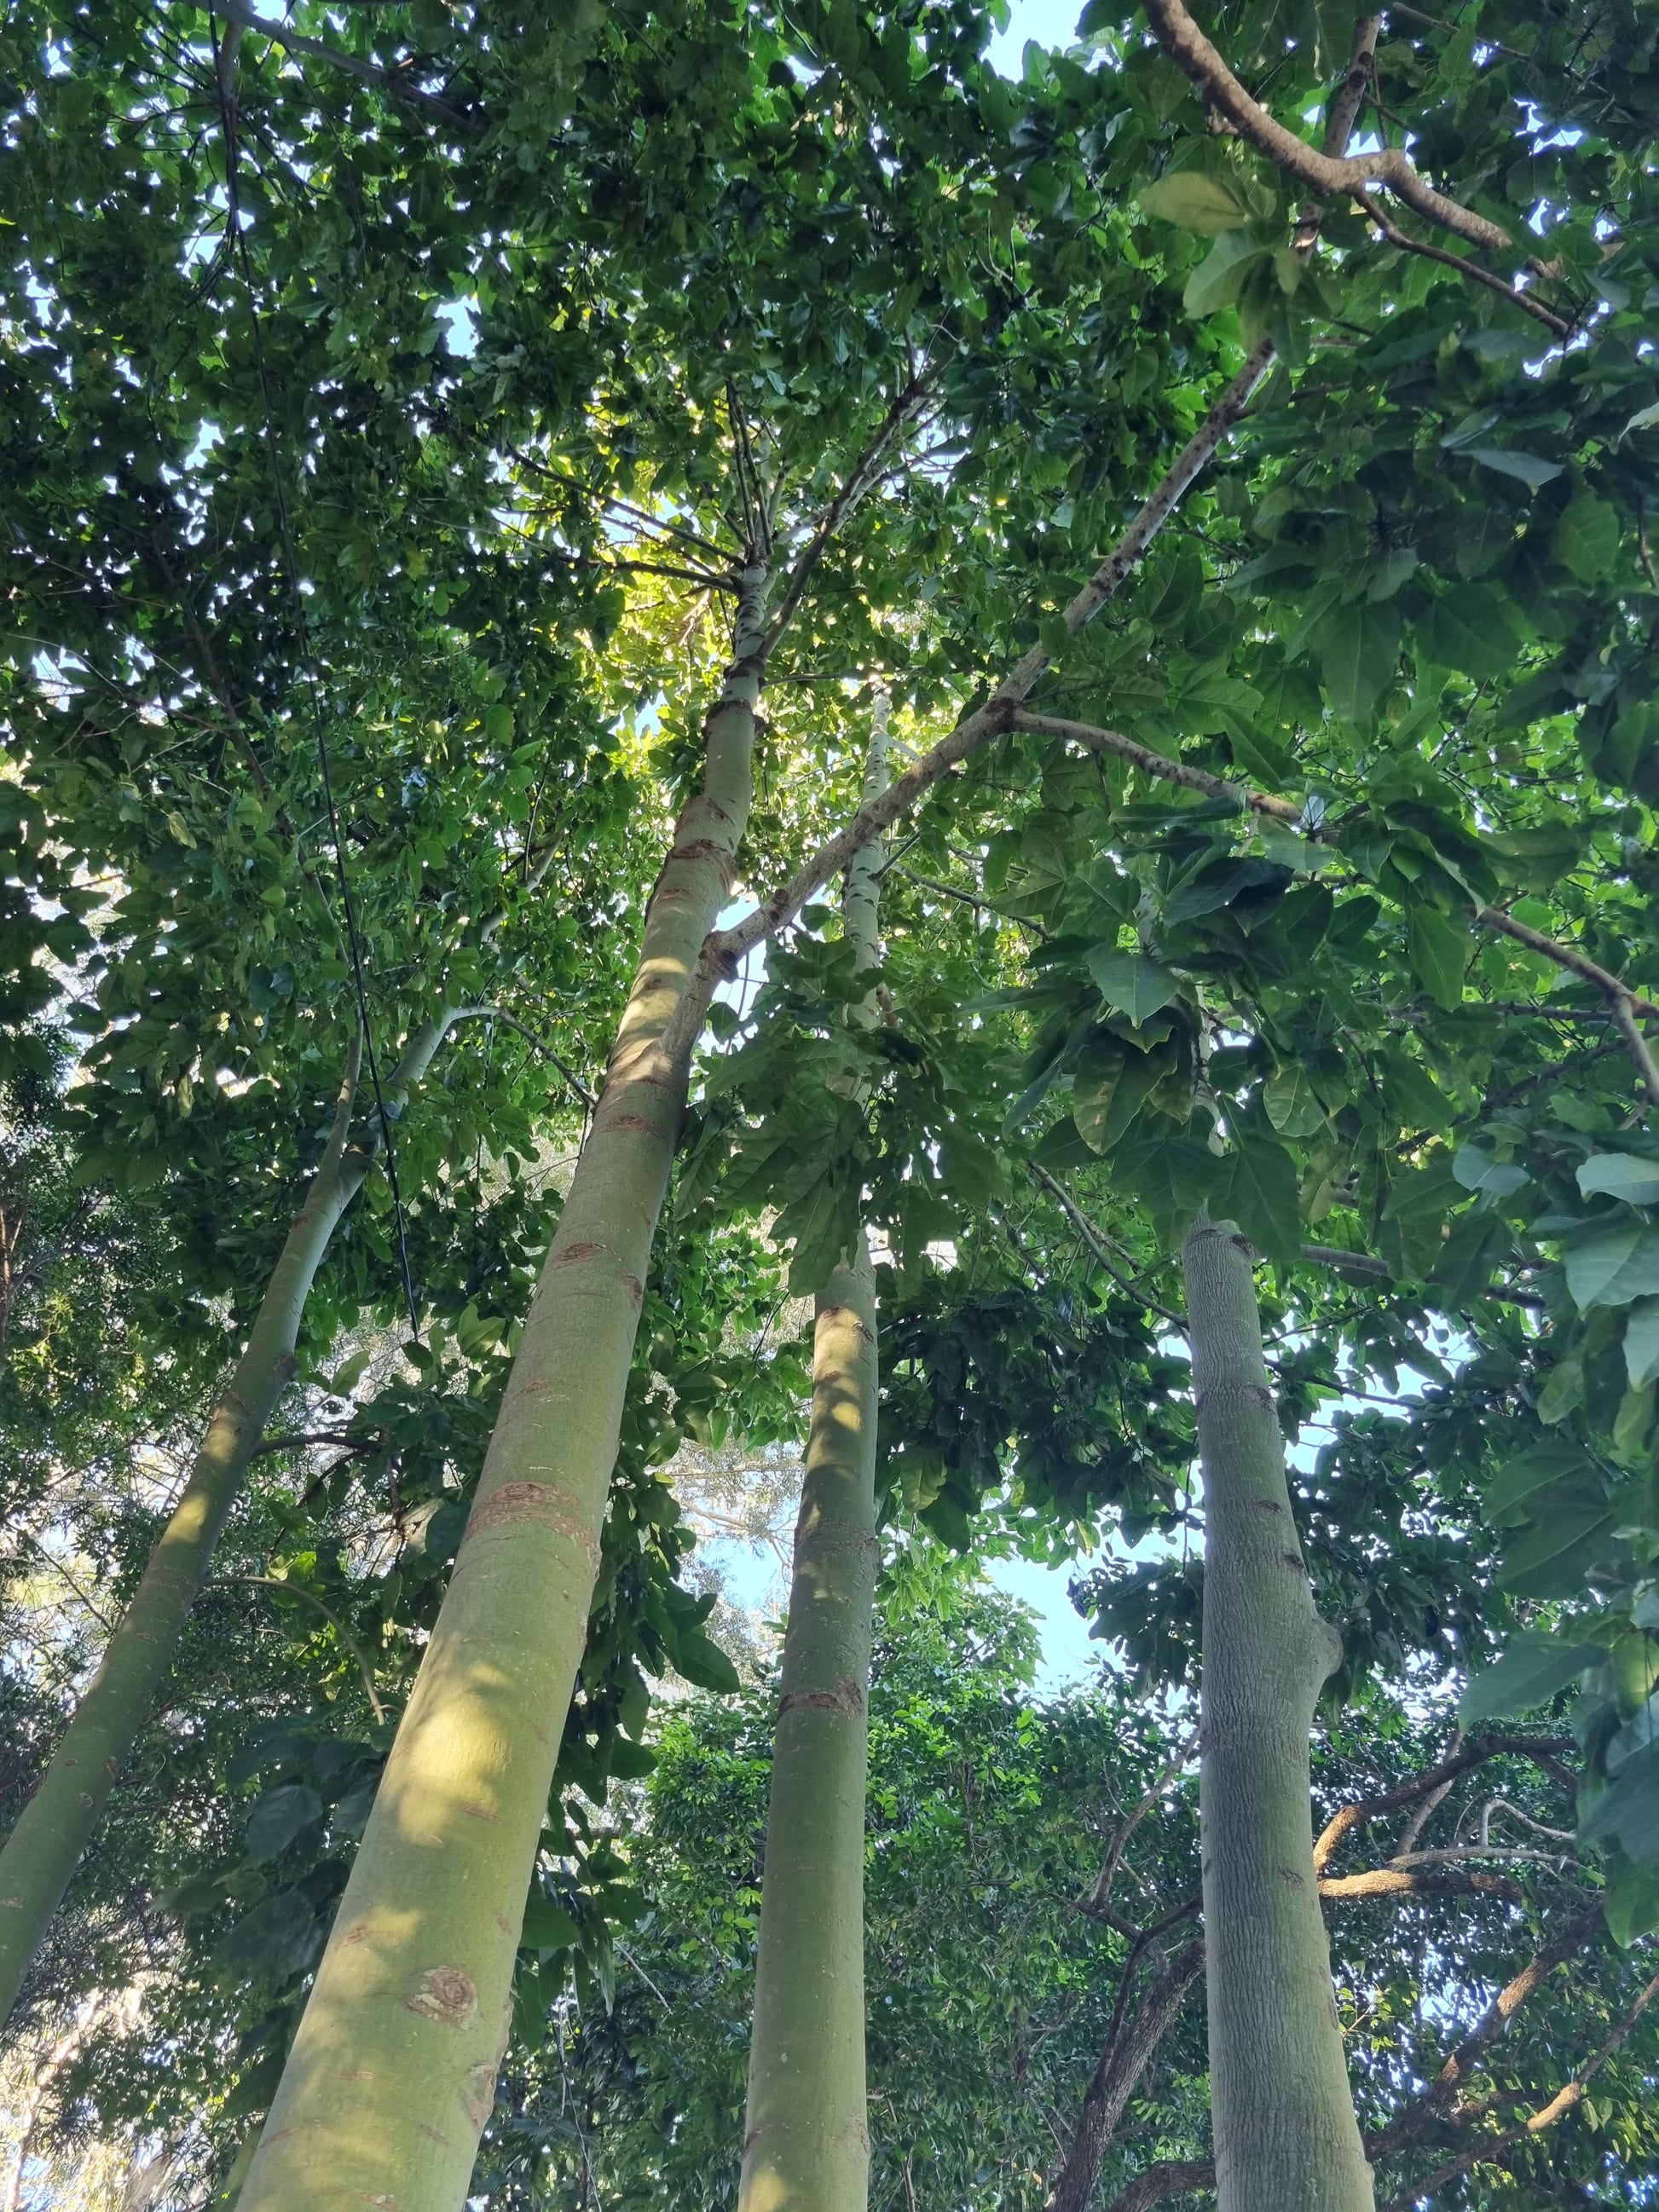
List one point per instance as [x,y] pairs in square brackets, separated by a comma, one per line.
[308,666]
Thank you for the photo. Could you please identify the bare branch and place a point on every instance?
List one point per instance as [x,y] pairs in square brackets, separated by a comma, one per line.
[1327,174]
[299,1438]
[1399,1881]
[1624,1003]
[1344,1822]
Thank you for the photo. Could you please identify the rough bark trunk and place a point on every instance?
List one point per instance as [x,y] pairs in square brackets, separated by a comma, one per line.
[1286,2135]
[806,2144]
[391,2074]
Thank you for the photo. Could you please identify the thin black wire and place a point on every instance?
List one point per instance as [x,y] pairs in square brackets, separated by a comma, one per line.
[308,664]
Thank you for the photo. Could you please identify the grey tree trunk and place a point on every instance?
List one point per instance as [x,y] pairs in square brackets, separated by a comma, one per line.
[1285,2136]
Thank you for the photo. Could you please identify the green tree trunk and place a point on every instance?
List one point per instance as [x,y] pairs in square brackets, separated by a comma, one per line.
[1286,2135]
[45,1843]
[805,2143]
[393,2072]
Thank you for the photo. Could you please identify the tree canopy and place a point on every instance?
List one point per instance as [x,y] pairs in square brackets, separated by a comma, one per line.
[471,476]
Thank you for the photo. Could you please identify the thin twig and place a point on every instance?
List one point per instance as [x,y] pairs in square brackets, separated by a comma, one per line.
[299,1589]
[1524,300]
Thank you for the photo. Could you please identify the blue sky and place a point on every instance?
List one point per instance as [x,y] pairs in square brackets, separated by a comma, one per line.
[1050,22]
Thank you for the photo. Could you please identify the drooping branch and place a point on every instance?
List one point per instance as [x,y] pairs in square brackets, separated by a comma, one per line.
[1329,176]
[299,1589]
[511,1022]
[1350,1818]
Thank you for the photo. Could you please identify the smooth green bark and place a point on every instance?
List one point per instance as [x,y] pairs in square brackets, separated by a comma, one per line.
[45,1846]
[393,2072]
[1286,2135]
[806,2148]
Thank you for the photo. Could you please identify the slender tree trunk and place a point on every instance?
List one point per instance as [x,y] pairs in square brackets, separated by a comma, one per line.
[805,2143]
[45,1846]
[393,2072]
[1286,2135]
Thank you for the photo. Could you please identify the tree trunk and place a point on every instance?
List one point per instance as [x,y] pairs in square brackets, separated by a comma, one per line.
[805,2143]
[393,2072]
[1286,2135]
[45,1846]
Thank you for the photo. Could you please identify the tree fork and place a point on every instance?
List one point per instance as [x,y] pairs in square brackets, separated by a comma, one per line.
[1285,2136]
[805,2143]
[392,2072]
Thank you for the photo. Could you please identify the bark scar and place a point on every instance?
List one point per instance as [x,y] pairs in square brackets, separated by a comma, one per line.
[847,1697]
[447,1995]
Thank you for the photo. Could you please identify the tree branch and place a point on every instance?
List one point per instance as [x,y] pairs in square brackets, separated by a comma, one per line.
[1535,2122]
[1524,300]
[1349,1817]
[1158,2182]
[511,1022]
[1096,1244]
[1398,1881]
[862,475]
[299,1589]
[1327,174]
[1492,2024]
[1122,2062]
[1624,1003]
[240,13]
[1157,764]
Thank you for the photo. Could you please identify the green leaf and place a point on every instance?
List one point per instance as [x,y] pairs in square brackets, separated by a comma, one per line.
[1619,1175]
[702,1662]
[277,1818]
[1259,1193]
[1586,538]
[1357,647]
[1627,1811]
[1292,1104]
[1549,1559]
[1562,1390]
[547,1926]
[1535,1667]
[1517,1490]
[1219,277]
[1131,983]
[1642,1342]
[1632,1897]
[1539,858]
[1469,1256]
[1616,1265]
[1439,949]
[1470,629]
[1529,469]
[1476,1170]
[1196,199]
